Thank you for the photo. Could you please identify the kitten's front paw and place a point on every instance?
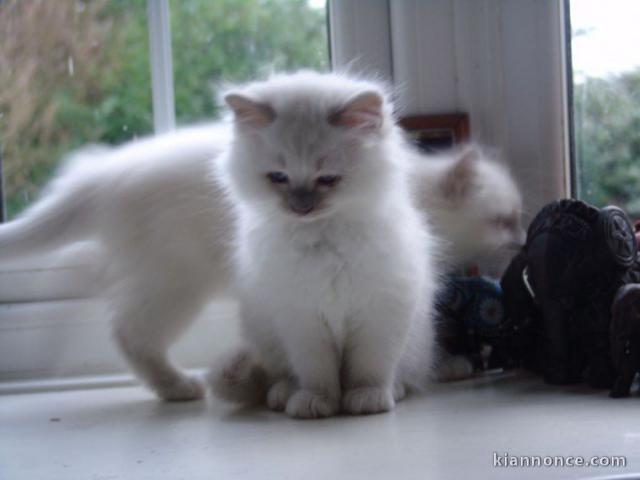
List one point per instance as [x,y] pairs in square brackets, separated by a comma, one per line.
[360,401]
[279,395]
[182,389]
[309,404]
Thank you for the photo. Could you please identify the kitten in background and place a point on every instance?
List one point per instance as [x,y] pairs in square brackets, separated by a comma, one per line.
[476,207]
[474,204]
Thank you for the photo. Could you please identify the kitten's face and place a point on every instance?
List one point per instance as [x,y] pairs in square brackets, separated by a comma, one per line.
[309,196]
[493,210]
[304,157]
[502,229]
[487,207]
[304,167]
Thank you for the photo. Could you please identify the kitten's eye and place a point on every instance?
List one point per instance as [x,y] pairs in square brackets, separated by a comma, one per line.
[328,180]
[498,222]
[277,177]
[505,222]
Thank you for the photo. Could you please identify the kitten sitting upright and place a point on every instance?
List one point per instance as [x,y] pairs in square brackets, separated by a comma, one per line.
[334,263]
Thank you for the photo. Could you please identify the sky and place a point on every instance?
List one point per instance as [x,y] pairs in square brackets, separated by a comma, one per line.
[612,44]
[317,3]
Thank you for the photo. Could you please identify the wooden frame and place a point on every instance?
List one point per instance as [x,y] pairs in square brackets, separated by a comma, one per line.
[437,132]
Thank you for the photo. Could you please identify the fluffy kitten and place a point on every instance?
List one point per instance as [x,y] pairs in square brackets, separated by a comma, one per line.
[474,205]
[334,266]
[162,223]
[158,211]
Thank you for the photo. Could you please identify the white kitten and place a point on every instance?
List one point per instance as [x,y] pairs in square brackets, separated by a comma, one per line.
[474,204]
[160,216]
[163,221]
[162,224]
[334,263]
[476,207]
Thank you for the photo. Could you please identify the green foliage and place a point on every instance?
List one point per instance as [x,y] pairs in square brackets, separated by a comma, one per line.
[108,97]
[229,41]
[45,111]
[124,107]
[607,129]
[88,84]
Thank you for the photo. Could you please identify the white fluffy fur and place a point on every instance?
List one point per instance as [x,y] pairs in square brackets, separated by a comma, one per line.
[475,206]
[336,305]
[162,223]
[158,209]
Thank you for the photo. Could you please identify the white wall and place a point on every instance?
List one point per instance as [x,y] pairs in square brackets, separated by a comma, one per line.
[500,61]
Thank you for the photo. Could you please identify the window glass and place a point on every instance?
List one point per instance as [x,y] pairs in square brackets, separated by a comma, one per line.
[74,72]
[71,72]
[606,101]
[224,41]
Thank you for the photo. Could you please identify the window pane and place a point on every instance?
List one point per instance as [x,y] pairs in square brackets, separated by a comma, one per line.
[222,41]
[71,72]
[606,92]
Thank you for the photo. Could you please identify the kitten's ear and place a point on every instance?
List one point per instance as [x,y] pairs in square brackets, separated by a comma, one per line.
[363,111]
[248,111]
[458,181]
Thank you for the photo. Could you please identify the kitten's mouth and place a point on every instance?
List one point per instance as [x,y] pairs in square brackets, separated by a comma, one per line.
[309,215]
[302,201]
[302,211]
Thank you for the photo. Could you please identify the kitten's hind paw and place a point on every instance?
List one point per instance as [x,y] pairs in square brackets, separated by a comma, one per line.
[365,400]
[279,395]
[309,404]
[238,378]
[182,389]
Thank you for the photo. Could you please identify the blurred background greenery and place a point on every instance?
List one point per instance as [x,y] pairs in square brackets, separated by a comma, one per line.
[607,140]
[74,72]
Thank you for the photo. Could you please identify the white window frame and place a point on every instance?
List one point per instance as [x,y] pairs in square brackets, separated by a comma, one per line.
[161,59]
[501,62]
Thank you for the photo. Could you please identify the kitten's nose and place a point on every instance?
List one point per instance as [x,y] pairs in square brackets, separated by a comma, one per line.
[302,200]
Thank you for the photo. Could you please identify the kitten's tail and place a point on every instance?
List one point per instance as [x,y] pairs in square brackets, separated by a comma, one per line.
[239,378]
[64,214]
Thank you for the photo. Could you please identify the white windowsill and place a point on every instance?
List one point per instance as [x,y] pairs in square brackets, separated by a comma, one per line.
[52,385]
[451,433]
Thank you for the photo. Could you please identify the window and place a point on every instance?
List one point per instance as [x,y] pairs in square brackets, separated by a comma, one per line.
[215,43]
[74,72]
[71,73]
[606,102]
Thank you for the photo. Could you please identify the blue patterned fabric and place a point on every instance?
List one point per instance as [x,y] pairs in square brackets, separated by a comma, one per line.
[473,322]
